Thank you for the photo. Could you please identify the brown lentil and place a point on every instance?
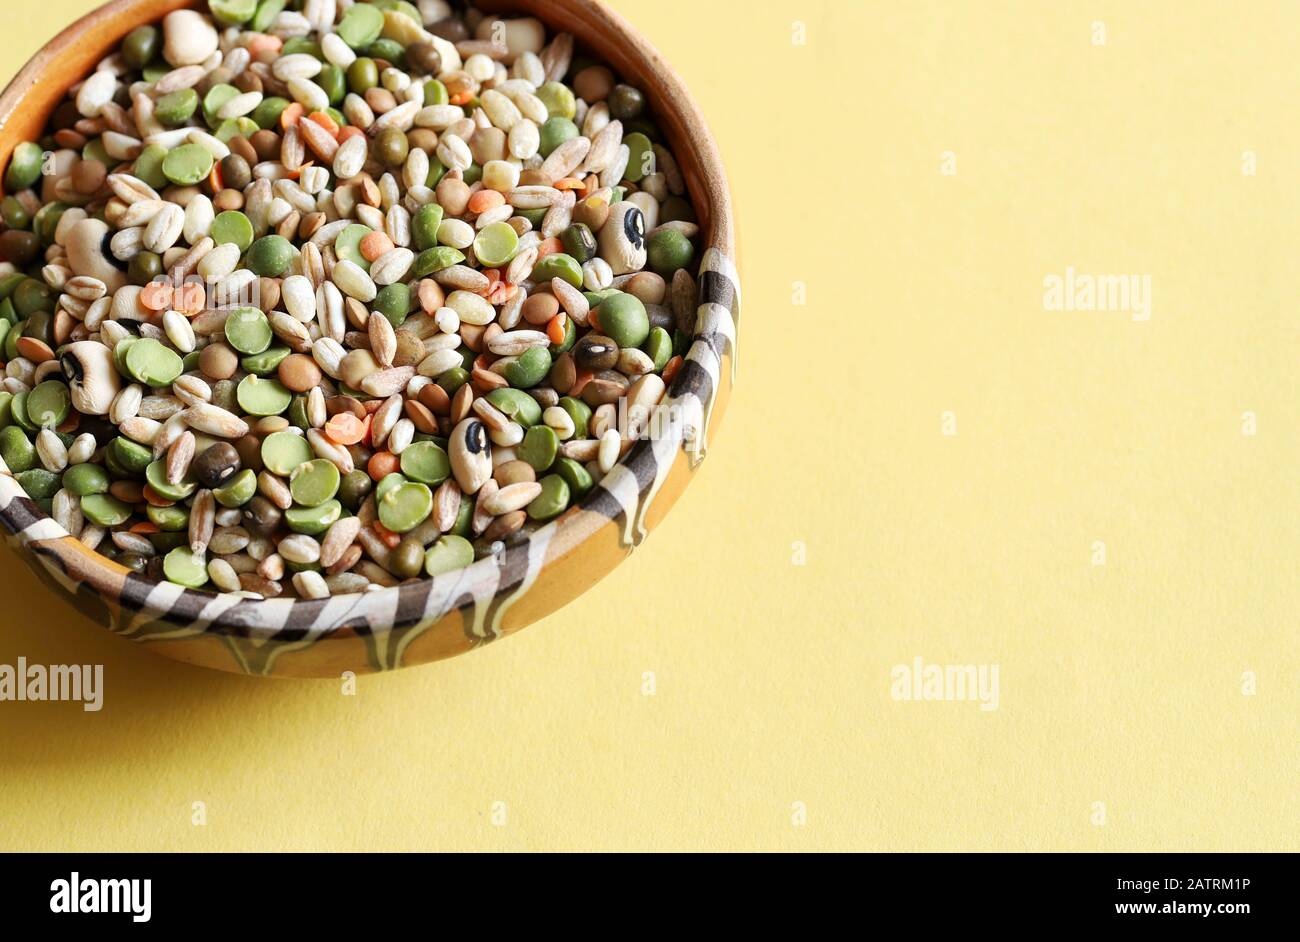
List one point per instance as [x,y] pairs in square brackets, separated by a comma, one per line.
[299,373]
[218,361]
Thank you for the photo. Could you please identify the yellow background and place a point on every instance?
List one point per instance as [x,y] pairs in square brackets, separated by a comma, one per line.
[1120,683]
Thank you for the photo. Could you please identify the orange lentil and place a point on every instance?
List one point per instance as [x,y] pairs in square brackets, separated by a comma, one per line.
[265,42]
[38,351]
[145,526]
[382,463]
[129,492]
[483,361]
[345,429]
[214,178]
[156,295]
[485,200]
[375,244]
[671,368]
[290,115]
[492,274]
[499,293]
[570,183]
[389,538]
[372,405]
[190,298]
[70,424]
[555,329]
[366,423]
[591,320]
[460,98]
[153,497]
[325,121]
[549,247]
[349,131]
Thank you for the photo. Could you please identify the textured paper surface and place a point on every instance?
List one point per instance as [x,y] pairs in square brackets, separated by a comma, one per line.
[1120,683]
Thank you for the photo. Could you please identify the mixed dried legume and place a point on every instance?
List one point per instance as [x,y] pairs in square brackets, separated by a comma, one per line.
[310,296]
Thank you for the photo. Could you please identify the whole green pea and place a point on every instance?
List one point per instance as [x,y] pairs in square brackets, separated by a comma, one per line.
[268,113]
[641,157]
[667,251]
[392,146]
[394,302]
[34,297]
[141,46]
[16,449]
[436,172]
[558,99]
[270,256]
[333,81]
[39,483]
[354,489]
[555,132]
[623,319]
[83,479]
[144,268]
[454,378]
[407,560]
[424,226]
[626,102]
[363,75]
[24,166]
[530,369]
[390,50]
[14,214]
[658,347]
[301,44]
[435,93]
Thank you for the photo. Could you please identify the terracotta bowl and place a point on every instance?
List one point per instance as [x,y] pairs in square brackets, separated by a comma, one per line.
[433,618]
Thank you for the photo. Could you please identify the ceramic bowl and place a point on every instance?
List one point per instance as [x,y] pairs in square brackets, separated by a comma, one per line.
[451,614]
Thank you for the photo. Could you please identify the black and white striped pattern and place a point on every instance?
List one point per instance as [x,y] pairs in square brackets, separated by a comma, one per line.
[257,634]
